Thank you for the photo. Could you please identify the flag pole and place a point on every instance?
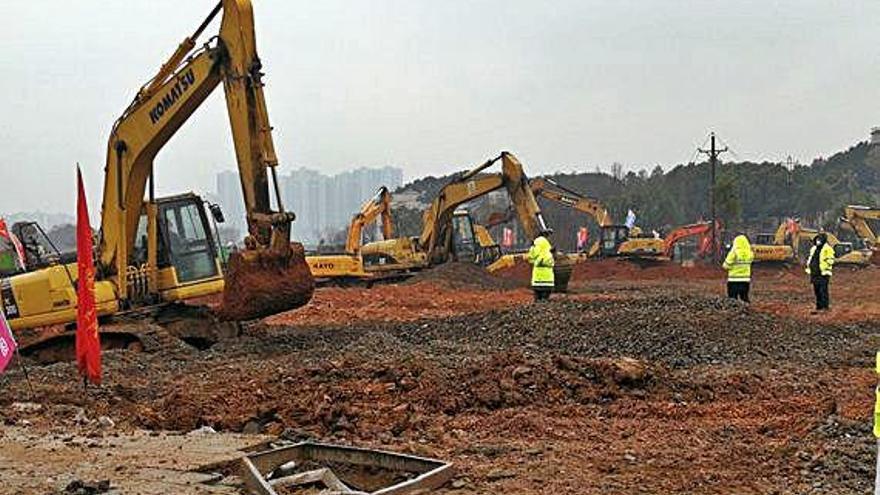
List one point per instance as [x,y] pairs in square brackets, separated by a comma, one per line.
[9,345]
[84,375]
[24,370]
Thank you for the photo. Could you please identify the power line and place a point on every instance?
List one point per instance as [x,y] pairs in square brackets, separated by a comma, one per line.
[730,149]
[697,150]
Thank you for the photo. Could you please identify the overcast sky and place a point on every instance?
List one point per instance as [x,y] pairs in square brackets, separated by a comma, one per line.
[433,86]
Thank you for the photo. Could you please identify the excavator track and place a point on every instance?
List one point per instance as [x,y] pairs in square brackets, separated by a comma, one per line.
[167,328]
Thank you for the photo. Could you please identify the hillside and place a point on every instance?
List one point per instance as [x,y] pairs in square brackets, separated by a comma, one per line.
[755,196]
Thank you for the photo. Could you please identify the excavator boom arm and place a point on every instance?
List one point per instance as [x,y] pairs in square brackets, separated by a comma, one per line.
[471,185]
[378,205]
[137,137]
[552,191]
[857,217]
[158,111]
[521,196]
[450,197]
[685,231]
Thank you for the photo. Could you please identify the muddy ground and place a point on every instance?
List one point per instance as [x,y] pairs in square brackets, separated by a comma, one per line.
[641,380]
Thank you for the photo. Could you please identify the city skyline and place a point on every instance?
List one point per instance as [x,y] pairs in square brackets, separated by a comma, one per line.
[323,204]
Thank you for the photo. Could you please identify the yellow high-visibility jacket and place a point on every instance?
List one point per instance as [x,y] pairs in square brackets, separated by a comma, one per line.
[877,398]
[738,262]
[826,259]
[541,258]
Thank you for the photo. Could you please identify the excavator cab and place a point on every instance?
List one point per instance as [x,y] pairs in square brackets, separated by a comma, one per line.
[191,248]
[860,244]
[185,242]
[611,237]
[842,249]
[471,242]
[620,240]
[39,250]
[464,242]
[489,251]
[765,238]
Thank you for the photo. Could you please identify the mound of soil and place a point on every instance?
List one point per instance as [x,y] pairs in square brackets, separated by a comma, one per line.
[412,301]
[676,330]
[456,275]
[395,396]
[572,396]
[455,364]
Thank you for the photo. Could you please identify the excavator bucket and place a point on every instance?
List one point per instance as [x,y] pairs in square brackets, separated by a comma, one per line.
[264,282]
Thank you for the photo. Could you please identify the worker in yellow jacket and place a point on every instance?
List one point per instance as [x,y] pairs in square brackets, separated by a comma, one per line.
[877,423]
[738,264]
[541,258]
[819,266]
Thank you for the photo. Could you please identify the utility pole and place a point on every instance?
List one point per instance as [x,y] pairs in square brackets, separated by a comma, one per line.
[713,153]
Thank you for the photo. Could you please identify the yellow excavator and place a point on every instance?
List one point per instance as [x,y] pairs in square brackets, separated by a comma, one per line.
[348,265]
[791,241]
[155,253]
[415,253]
[449,233]
[857,217]
[630,242]
[444,239]
[614,240]
[774,247]
[845,253]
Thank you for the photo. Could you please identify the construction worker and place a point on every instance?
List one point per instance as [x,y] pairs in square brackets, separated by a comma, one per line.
[738,264]
[541,258]
[819,266]
[877,423]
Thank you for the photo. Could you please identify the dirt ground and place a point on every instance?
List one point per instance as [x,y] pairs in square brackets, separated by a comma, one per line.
[640,380]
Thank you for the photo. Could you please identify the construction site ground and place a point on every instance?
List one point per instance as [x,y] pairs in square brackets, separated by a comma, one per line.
[640,380]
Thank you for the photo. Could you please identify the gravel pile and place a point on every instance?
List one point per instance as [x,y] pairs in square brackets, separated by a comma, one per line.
[463,275]
[677,331]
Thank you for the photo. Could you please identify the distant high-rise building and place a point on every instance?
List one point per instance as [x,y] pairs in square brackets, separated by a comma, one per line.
[323,204]
[229,197]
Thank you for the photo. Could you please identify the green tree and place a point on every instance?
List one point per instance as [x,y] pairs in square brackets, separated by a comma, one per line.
[407,221]
[727,202]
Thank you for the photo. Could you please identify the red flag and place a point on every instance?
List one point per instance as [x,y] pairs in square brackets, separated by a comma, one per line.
[88,343]
[507,238]
[583,237]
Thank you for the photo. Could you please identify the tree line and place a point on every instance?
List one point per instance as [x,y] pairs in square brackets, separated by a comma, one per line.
[750,196]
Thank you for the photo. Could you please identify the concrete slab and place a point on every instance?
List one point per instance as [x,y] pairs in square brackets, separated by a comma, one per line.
[141,462]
